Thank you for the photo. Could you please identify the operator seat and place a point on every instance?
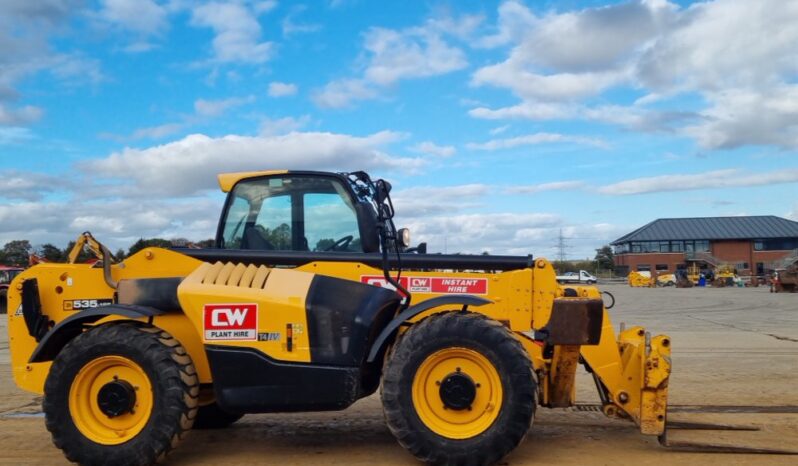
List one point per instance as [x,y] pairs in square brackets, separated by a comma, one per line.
[255,238]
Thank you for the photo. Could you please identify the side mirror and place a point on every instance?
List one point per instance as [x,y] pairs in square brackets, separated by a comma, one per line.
[383,189]
[367,226]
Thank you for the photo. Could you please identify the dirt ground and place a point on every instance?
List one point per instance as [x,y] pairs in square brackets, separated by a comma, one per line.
[734,361]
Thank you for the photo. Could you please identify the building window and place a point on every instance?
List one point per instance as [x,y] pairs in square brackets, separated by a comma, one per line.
[636,247]
[688,246]
[701,246]
[643,268]
[662,267]
[741,266]
[677,246]
[776,244]
[664,246]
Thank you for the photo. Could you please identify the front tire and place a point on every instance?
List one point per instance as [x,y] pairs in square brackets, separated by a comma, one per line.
[459,389]
[122,394]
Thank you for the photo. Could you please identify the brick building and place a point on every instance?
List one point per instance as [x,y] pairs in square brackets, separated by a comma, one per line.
[753,245]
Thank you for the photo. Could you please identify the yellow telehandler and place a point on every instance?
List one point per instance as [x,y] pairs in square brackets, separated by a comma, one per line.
[310,300]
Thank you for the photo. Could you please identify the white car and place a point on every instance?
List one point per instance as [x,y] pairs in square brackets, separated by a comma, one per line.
[573,277]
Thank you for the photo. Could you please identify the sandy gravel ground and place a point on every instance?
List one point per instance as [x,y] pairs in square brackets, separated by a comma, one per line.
[732,347]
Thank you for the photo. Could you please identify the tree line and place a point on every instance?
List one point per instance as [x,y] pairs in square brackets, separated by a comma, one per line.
[17,253]
[603,262]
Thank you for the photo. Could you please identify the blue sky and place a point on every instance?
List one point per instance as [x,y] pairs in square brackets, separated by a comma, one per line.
[500,124]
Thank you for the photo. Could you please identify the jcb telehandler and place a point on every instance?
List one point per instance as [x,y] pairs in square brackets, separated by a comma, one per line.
[310,300]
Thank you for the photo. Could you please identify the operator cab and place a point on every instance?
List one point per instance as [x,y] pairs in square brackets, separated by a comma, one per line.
[297,211]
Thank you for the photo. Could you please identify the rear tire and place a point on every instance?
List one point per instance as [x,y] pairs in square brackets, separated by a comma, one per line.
[437,427]
[159,394]
[211,416]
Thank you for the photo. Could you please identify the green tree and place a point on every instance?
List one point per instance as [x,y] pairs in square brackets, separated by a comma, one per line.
[604,258]
[51,253]
[280,237]
[16,252]
[120,255]
[206,243]
[148,243]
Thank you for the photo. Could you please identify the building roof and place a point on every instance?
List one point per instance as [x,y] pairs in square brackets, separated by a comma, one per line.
[713,228]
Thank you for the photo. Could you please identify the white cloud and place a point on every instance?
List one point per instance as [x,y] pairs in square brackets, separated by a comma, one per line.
[552,186]
[499,130]
[430,148]
[292,26]
[264,6]
[393,55]
[199,158]
[273,127]
[532,139]
[514,22]
[526,110]
[737,117]
[115,222]
[19,116]
[723,52]
[238,32]
[25,31]
[520,233]
[204,109]
[728,178]
[411,53]
[342,93]
[157,132]
[278,89]
[28,186]
[213,108]
[15,135]
[142,16]
[424,201]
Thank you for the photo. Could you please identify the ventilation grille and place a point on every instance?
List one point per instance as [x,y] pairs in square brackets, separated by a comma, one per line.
[240,275]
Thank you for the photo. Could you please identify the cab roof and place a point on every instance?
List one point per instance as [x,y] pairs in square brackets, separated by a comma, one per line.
[228,180]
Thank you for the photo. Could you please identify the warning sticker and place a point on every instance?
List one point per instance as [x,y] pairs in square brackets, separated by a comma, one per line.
[439,285]
[231,322]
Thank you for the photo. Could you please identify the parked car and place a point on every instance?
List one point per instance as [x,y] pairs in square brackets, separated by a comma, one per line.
[577,277]
[6,275]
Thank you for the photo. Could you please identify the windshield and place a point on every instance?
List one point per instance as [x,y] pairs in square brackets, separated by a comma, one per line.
[291,213]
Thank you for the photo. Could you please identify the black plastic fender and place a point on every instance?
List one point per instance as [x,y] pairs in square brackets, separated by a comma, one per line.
[72,326]
[390,330]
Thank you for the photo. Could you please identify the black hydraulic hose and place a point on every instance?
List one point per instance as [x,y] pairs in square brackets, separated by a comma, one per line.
[611,297]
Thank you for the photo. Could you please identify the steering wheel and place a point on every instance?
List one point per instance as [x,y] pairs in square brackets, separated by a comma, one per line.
[340,244]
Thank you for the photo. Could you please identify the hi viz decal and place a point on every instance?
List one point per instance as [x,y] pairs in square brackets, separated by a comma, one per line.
[231,322]
[440,285]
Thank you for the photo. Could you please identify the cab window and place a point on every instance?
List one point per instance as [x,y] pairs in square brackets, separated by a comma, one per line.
[291,213]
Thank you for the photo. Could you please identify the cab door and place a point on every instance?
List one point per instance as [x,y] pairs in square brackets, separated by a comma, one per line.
[291,212]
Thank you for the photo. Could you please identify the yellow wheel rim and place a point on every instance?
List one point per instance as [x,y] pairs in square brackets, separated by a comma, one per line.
[457,423]
[85,409]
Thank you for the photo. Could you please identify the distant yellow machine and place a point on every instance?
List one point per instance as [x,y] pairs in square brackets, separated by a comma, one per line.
[311,300]
[666,279]
[640,280]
